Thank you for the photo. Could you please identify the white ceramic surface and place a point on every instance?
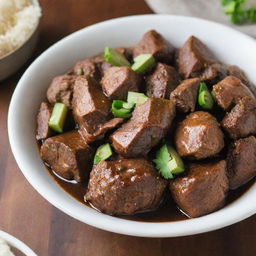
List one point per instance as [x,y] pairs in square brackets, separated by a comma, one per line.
[13,61]
[15,243]
[229,45]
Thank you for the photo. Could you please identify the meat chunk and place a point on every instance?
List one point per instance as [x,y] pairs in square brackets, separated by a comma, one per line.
[241,161]
[87,67]
[61,89]
[91,107]
[238,73]
[125,186]
[229,91]
[153,43]
[68,155]
[43,117]
[185,95]
[203,190]
[199,136]
[101,130]
[214,73]
[101,66]
[241,121]
[118,81]
[194,57]
[148,125]
[162,82]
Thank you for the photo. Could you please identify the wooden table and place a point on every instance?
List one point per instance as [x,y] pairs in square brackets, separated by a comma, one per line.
[25,214]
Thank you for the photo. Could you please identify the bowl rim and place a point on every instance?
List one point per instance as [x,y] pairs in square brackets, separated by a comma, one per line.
[122,226]
[16,243]
[34,3]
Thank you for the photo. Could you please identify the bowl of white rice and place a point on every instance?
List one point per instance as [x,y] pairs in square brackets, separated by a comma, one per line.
[19,21]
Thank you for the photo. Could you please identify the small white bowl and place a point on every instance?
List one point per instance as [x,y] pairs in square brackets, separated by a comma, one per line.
[13,242]
[13,61]
[229,46]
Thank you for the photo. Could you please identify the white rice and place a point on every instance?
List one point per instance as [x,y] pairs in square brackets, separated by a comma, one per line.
[18,19]
[4,247]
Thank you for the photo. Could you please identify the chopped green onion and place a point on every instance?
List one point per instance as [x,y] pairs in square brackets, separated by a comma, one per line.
[202,87]
[103,152]
[115,58]
[143,62]
[205,99]
[175,164]
[58,117]
[118,109]
[128,105]
[79,72]
[239,11]
[168,162]
[230,7]
[136,98]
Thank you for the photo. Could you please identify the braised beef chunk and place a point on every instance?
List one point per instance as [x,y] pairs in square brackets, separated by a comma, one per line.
[241,120]
[185,95]
[153,43]
[194,57]
[214,73]
[98,67]
[203,190]
[162,82]
[148,125]
[199,136]
[241,161]
[125,186]
[87,67]
[101,130]
[90,106]
[239,73]
[68,155]
[118,81]
[61,89]
[229,90]
[43,117]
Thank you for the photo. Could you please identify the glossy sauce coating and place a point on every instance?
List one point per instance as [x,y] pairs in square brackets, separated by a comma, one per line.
[167,212]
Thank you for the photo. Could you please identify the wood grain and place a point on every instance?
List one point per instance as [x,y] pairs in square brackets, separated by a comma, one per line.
[25,214]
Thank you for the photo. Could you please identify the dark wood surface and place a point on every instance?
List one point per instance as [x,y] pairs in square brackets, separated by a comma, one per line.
[25,214]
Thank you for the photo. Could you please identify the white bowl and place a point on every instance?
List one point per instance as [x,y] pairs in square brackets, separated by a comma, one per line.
[13,242]
[13,61]
[229,45]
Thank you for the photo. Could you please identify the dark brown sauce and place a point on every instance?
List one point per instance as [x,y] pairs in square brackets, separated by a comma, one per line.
[167,212]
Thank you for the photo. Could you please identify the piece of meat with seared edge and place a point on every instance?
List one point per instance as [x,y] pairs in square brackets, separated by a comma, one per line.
[125,186]
[199,136]
[43,117]
[148,125]
[202,190]
[194,57]
[185,95]
[91,110]
[241,120]
[118,81]
[229,91]
[68,155]
[162,81]
[241,161]
[154,43]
